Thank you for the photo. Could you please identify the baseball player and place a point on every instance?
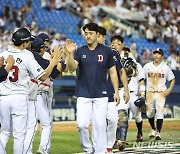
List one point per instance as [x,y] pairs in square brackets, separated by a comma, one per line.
[93,61]
[112,112]
[136,87]
[156,74]
[16,88]
[38,50]
[5,70]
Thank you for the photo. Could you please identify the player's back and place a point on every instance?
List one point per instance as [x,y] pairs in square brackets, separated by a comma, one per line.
[18,78]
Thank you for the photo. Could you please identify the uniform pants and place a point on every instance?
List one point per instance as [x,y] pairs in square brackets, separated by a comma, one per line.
[13,110]
[86,108]
[43,106]
[31,127]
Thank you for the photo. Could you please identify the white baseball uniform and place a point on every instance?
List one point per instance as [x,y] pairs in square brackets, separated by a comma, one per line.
[14,100]
[156,84]
[134,88]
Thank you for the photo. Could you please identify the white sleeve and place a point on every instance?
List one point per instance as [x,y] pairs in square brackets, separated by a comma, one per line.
[170,74]
[144,71]
[35,69]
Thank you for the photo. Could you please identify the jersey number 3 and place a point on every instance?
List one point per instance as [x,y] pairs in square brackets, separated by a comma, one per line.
[14,76]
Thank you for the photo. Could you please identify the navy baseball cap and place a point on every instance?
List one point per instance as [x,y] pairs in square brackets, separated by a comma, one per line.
[37,44]
[44,37]
[159,51]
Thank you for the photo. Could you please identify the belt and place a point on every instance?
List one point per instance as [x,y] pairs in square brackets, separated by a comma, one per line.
[155,91]
[131,91]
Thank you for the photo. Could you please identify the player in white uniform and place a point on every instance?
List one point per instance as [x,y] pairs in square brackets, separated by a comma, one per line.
[14,99]
[156,74]
[44,102]
[137,90]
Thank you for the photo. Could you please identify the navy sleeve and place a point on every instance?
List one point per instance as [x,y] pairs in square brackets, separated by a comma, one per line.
[44,63]
[111,61]
[117,60]
[3,74]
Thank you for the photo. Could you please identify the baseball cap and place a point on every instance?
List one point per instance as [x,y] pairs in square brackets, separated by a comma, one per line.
[159,51]
[44,37]
[37,44]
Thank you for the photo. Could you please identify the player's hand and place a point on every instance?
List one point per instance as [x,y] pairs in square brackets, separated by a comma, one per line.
[57,49]
[1,61]
[10,61]
[167,92]
[56,59]
[116,98]
[70,46]
[126,96]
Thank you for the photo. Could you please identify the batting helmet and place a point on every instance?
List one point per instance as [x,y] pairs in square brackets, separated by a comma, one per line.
[20,36]
[130,67]
[140,102]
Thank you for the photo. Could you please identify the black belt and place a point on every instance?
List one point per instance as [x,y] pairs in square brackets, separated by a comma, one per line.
[131,91]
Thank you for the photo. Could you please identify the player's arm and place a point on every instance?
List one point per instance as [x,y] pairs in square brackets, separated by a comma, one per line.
[71,47]
[142,88]
[124,81]
[168,91]
[53,62]
[9,63]
[115,83]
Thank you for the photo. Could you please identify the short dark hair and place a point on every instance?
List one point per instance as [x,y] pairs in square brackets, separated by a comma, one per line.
[117,37]
[91,26]
[101,30]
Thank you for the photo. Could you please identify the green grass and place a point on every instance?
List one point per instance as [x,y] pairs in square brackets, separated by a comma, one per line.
[68,142]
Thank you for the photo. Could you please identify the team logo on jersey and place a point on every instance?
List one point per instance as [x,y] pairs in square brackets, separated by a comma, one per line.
[114,57]
[100,58]
[83,56]
[18,60]
[104,92]
[39,69]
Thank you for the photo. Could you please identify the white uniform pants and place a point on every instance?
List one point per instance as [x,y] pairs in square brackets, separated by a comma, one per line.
[112,120]
[155,102]
[86,108]
[14,113]
[133,108]
[44,114]
[31,127]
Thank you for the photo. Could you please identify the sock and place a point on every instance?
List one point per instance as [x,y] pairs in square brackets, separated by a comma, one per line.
[151,121]
[159,123]
[139,127]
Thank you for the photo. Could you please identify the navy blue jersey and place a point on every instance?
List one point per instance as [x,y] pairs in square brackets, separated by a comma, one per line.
[3,73]
[119,66]
[92,72]
[44,63]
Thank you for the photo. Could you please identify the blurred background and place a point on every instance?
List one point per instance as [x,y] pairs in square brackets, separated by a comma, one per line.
[144,24]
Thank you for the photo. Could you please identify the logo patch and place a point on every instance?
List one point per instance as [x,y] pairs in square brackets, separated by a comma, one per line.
[100,58]
[104,92]
[83,56]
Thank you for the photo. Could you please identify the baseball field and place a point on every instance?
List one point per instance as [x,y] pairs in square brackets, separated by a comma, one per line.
[65,138]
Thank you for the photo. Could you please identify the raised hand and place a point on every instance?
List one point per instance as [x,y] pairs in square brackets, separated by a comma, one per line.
[56,59]
[70,46]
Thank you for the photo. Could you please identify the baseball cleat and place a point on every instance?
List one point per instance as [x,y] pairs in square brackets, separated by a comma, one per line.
[121,145]
[42,151]
[152,133]
[109,150]
[158,137]
[139,138]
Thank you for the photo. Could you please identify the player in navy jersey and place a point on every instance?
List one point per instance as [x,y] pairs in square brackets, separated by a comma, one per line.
[112,112]
[93,61]
[5,70]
